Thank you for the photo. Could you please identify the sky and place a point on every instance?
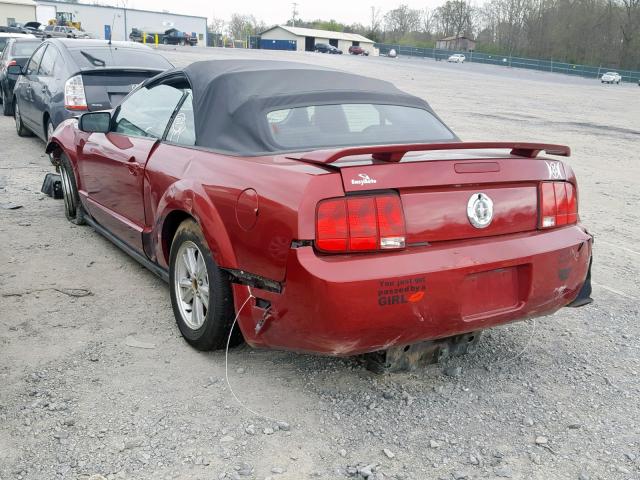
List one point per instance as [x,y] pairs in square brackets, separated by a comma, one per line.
[276,12]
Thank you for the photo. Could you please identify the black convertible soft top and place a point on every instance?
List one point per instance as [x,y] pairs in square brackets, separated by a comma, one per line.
[232,97]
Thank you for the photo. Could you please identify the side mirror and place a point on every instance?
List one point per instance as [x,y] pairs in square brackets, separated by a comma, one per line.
[95,122]
[14,70]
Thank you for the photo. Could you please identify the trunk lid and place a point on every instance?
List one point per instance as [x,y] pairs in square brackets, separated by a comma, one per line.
[439,190]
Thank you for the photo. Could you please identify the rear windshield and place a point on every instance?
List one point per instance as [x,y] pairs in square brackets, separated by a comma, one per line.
[118,57]
[24,49]
[353,124]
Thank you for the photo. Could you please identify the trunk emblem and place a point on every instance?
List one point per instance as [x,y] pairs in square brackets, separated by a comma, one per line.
[364,179]
[554,170]
[480,210]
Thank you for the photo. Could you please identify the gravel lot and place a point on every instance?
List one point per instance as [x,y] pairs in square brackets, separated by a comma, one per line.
[103,385]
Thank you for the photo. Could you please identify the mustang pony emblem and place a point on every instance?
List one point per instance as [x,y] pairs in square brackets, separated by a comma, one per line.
[480,210]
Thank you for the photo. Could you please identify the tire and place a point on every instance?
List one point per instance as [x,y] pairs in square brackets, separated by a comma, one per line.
[21,130]
[72,207]
[182,43]
[165,41]
[7,111]
[48,133]
[188,281]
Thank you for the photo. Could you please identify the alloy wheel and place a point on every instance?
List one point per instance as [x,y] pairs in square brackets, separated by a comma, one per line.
[192,285]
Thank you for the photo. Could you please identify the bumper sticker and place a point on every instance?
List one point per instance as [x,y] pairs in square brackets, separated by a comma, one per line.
[395,291]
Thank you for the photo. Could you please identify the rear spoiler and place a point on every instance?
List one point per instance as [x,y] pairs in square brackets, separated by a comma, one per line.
[394,153]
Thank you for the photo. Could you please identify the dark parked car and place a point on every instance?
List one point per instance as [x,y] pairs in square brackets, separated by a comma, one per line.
[338,209]
[176,37]
[16,52]
[136,36]
[326,48]
[34,29]
[66,77]
[358,50]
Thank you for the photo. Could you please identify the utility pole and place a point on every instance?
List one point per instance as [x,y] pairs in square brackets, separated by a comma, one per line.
[294,13]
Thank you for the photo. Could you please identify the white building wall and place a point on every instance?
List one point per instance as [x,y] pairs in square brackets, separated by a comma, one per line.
[93,18]
[19,12]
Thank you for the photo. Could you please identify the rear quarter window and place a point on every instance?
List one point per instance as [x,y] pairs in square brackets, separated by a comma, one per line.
[24,49]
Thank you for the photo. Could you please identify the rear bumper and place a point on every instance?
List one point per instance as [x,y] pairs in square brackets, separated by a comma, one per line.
[347,305]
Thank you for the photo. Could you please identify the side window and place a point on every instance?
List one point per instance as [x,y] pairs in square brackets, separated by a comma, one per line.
[183,129]
[146,112]
[48,28]
[49,60]
[34,62]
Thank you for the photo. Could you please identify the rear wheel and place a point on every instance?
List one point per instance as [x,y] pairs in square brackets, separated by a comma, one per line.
[165,41]
[49,133]
[72,207]
[200,292]
[20,128]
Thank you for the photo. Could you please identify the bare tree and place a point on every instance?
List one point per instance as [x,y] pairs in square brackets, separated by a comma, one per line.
[630,32]
[401,21]
[376,20]
[427,18]
[241,26]
[455,17]
[216,25]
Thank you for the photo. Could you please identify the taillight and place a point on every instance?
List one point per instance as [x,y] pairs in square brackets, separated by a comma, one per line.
[360,224]
[558,204]
[74,97]
[11,63]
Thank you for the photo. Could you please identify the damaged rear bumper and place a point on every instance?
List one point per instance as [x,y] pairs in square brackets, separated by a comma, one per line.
[353,304]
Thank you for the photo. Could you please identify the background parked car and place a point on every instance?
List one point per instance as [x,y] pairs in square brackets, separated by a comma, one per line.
[176,37]
[58,31]
[611,77]
[5,36]
[326,48]
[16,52]
[34,28]
[136,36]
[456,58]
[66,77]
[357,50]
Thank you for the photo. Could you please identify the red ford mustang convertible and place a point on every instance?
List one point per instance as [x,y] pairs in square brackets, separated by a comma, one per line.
[344,210]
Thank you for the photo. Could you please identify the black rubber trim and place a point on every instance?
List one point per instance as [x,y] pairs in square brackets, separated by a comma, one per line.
[137,256]
[584,295]
[251,279]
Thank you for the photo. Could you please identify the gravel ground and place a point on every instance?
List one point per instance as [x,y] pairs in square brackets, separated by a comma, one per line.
[96,382]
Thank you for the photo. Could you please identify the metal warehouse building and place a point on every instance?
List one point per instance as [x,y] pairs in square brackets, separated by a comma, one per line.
[96,19]
[20,11]
[283,37]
